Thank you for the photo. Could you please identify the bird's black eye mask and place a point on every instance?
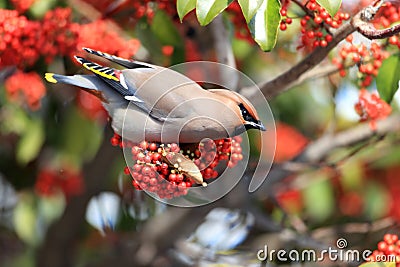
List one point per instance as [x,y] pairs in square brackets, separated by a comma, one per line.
[246,114]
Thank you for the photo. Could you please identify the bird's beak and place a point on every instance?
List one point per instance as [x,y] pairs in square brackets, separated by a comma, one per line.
[255,125]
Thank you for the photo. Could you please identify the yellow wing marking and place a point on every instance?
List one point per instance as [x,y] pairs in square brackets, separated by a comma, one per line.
[108,76]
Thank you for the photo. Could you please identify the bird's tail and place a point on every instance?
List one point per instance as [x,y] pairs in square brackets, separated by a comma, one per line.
[89,83]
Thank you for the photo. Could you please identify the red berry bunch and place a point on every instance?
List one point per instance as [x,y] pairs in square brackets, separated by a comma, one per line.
[18,39]
[368,60]
[136,9]
[59,35]
[387,15]
[151,170]
[371,108]
[22,5]
[284,13]
[26,88]
[93,35]
[388,249]
[315,27]
[50,182]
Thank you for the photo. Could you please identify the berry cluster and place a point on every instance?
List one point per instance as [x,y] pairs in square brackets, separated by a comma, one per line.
[153,170]
[50,182]
[58,34]
[368,59]
[388,249]
[284,13]
[371,108]
[25,88]
[315,24]
[93,35]
[136,9]
[18,39]
[315,29]
[23,41]
[388,15]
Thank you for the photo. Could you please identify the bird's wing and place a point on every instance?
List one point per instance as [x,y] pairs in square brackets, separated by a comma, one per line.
[112,77]
[102,84]
[130,64]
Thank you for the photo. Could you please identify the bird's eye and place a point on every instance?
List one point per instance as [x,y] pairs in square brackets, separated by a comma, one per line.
[245,113]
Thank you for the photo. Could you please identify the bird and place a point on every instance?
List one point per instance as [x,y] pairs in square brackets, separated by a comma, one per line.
[157,104]
[223,229]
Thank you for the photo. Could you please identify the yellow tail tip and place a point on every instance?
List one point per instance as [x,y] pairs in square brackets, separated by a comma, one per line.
[49,77]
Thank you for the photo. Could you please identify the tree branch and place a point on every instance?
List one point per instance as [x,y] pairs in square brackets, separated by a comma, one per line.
[285,80]
[289,78]
[319,149]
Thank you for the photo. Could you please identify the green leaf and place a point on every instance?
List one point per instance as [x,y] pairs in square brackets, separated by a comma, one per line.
[31,141]
[81,137]
[149,40]
[207,10]
[25,220]
[379,264]
[184,7]
[332,6]
[39,8]
[352,173]
[387,81]
[249,8]
[319,199]
[164,29]
[166,33]
[264,25]
[376,198]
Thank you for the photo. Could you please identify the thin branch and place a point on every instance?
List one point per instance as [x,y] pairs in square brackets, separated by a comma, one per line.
[283,82]
[363,25]
[287,79]
[354,228]
[317,150]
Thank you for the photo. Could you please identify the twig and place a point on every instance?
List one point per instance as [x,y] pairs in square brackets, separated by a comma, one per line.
[360,22]
[317,150]
[285,80]
[355,228]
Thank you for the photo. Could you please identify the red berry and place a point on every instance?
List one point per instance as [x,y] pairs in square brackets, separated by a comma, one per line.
[318,20]
[323,43]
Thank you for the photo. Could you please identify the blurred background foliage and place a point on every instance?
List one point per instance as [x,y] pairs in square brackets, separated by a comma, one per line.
[50,134]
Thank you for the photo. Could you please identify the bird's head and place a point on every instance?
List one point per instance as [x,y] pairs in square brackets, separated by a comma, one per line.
[245,110]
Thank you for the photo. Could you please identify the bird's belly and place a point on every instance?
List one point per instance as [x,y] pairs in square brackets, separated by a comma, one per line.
[170,132]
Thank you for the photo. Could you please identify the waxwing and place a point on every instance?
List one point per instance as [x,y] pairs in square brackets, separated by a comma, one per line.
[153,103]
